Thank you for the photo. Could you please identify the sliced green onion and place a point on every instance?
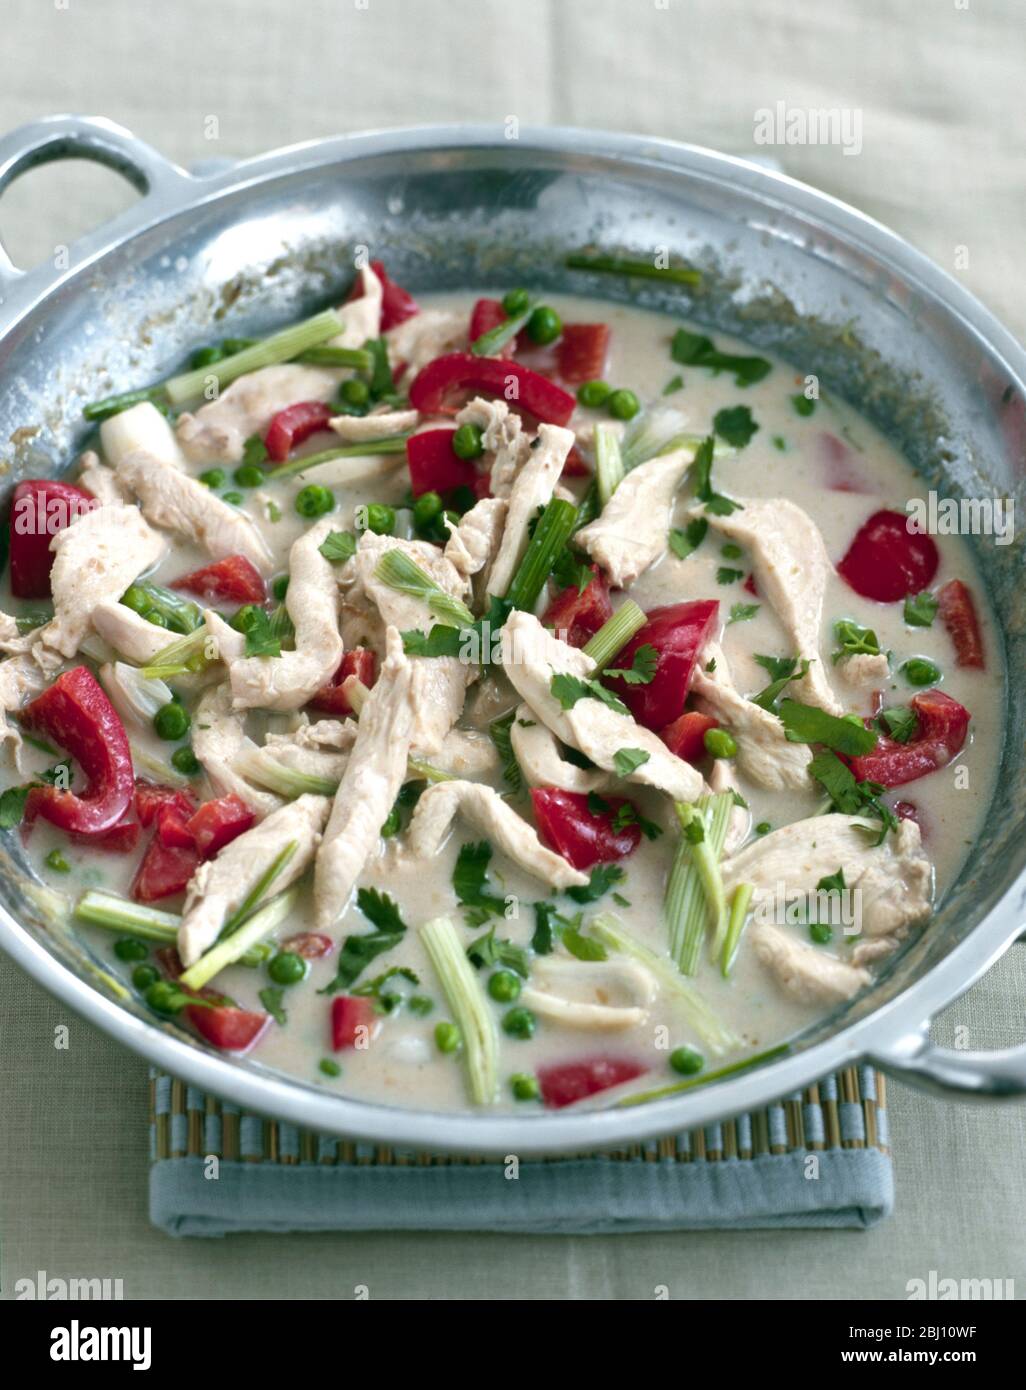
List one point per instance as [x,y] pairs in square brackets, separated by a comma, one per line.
[358,358]
[555,526]
[608,462]
[388,444]
[114,405]
[178,658]
[418,769]
[732,1069]
[714,1033]
[398,571]
[615,633]
[739,904]
[588,508]
[694,893]
[652,433]
[279,347]
[231,949]
[249,903]
[469,1006]
[624,265]
[179,614]
[259,765]
[491,343]
[107,910]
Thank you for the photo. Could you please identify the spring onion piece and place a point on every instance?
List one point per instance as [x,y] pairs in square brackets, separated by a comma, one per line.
[491,343]
[732,1069]
[694,893]
[715,1034]
[588,508]
[654,432]
[156,768]
[398,571]
[230,949]
[107,910]
[114,405]
[388,444]
[608,462]
[469,1006]
[279,347]
[179,614]
[625,265]
[135,698]
[179,658]
[555,526]
[259,890]
[739,904]
[418,769]
[358,358]
[260,766]
[615,633]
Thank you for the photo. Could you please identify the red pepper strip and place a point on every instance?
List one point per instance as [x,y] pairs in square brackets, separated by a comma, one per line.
[686,735]
[583,838]
[352,1019]
[461,371]
[173,829]
[486,315]
[311,945]
[562,1083]
[294,424]
[76,715]
[580,614]
[943,725]
[958,614]
[397,304]
[39,509]
[226,1027]
[678,632]
[434,465]
[886,561]
[581,352]
[332,699]
[119,839]
[749,586]
[163,872]
[151,797]
[234,579]
[218,822]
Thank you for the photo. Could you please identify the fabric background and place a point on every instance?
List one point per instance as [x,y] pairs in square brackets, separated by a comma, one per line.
[938,83]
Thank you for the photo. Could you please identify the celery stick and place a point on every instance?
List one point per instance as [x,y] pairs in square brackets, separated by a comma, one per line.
[279,347]
[608,463]
[249,903]
[398,571]
[614,634]
[738,912]
[692,895]
[358,358]
[469,1005]
[107,910]
[554,528]
[259,765]
[230,949]
[387,444]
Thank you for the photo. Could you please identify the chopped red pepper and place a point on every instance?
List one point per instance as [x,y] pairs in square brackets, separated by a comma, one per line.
[678,632]
[218,822]
[360,662]
[397,304]
[581,352]
[352,1020]
[40,508]
[943,725]
[486,315]
[152,797]
[582,836]
[459,372]
[76,715]
[163,871]
[234,578]
[958,614]
[434,464]
[311,945]
[749,586]
[686,735]
[580,614]
[886,561]
[574,465]
[173,829]
[226,1027]
[294,424]
[563,1083]
[121,838]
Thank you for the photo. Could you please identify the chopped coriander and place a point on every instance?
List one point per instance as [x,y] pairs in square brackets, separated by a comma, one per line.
[725,575]
[499,732]
[803,405]
[470,882]
[338,546]
[642,668]
[569,689]
[807,724]
[742,612]
[55,860]
[628,760]
[715,502]
[854,640]
[490,949]
[783,669]
[899,722]
[696,350]
[920,610]
[675,383]
[583,947]
[735,425]
[730,551]
[849,796]
[683,542]
[271,998]
[600,880]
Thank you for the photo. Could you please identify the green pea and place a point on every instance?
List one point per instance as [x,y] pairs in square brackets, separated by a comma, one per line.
[354,391]
[143,976]
[329,1067]
[686,1061]
[248,475]
[130,948]
[235,498]
[594,393]
[171,722]
[279,586]
[184,760]
[427,507]
[719,744]
[544,326]
[623,404]
[519,1023]
[314,500]
[166,998]
[447,1037]
[515,302]
[56,861]
[381,519]
[524,1086]
[205,357]
[213,477]
[763,828]
[136,598]
[468,442]
[821,932]
[287,968]
[918,671]
[504,986]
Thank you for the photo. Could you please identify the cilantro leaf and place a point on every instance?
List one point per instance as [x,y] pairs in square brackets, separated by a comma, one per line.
[735,425]
[742,612]
[726,575]
[492,950]
[271,998]
[683,542]
[543,939]
[338,546]
[499,731]
[571,570]
[701,468]
[849,796]
[832,883]
[581,946]
[357,952]
[642,669]
[696,350]
[803,404]
[900,722]
[261,638]
[675,383]
[854,640]
[806,724]
[440,641]
[600,880]
[783,669]
[471,884]
[921,610]
[628,760]
[12,806]
[380,910]
[569,689]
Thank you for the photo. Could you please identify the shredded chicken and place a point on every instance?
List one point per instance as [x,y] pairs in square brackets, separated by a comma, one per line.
[631,532]
[506,444]
[369,606]
[417,341]
[536,749]
[473,543]
[357,429]
[439,690]
[218,739]
[485,809]
[128,633]
[21,680]
[221,885]
[864,671]
[218,431]
[98,480]
[361,318]
[807,973]
[143,427]
[577,994]
[532,488]
[288,681]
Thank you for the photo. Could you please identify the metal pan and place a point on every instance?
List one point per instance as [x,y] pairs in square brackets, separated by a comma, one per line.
[257,243]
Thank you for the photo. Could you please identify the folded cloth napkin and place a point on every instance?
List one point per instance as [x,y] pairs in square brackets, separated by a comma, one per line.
[816,1159]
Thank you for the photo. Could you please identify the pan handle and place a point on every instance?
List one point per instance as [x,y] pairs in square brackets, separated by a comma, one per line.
[957,1075]
[85,137]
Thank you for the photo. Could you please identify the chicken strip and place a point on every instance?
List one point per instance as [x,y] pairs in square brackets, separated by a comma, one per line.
[99,481]
[473,543]
[128,633]
[21,680]
[417,341]
[807,973]
[361,317]
[532,488]
[218,431]
[633,529]
[538,754]
[507,446]
[218,740]
[357,429]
